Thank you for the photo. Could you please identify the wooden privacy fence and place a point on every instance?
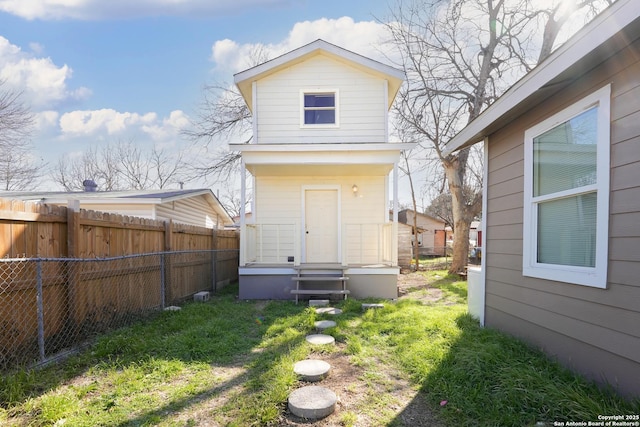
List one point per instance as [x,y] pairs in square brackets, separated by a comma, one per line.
[66,275]
[33,230]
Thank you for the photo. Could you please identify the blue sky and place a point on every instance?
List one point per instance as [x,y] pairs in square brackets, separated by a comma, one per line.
[96,71]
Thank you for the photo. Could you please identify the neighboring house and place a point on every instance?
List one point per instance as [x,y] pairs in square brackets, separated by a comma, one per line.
[431,232]
[405,245]
[320,161]
[194,207]
[475,234]
[562,192]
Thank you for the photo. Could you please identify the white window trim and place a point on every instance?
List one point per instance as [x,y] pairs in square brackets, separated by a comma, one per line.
[336,93]
[587,276]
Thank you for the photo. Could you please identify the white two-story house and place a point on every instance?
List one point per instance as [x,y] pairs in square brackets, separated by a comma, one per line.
[323,173]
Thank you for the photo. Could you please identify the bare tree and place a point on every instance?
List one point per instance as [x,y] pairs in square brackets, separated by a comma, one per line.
[133,168]
[405,167]
[123,166]
[223,116]
[97,164]
[19,169]
[168,168]
[231,200]
[459,56]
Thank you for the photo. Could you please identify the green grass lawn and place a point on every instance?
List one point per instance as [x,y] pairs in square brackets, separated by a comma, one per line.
[232,360]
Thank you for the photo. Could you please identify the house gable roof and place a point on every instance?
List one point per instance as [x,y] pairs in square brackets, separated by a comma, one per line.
[421,214]
[140,197]
[244,79]
[609,32]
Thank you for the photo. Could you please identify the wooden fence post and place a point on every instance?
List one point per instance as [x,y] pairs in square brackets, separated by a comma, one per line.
[168,240]
[214,259]
[72,267]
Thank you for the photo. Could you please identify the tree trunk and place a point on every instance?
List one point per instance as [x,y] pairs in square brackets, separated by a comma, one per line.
[454,167]
[416,248]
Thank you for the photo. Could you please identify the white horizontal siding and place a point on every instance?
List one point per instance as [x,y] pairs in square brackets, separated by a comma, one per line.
[361,104]
[140,211]
[278,200]
[193,211]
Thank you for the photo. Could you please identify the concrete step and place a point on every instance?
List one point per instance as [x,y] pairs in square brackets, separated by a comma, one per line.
[324,324]
[328,310]
[320,291]
[319,278]
[312,402]
[320,339]
[312,370]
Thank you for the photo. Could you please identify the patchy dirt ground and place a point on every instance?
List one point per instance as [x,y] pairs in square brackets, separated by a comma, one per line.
[412,281]
[370,392]
[367,396]
[388,391]
[385,394]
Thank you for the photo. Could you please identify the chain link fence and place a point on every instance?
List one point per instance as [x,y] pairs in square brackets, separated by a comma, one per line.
[52,305]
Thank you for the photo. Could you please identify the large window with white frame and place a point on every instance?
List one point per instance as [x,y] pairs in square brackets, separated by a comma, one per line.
[319,108]
[566,197]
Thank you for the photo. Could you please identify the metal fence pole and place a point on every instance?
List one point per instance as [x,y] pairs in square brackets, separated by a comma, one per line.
[162,282]
[39,302]
[214,262]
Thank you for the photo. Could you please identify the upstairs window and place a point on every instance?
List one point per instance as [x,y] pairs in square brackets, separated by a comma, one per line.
[319,108]
[566,208]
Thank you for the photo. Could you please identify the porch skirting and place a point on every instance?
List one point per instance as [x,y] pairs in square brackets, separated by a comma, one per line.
[276,283]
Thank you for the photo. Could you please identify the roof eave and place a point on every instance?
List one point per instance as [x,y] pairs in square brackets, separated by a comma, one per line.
[308,147]
[561,67]
[244,79]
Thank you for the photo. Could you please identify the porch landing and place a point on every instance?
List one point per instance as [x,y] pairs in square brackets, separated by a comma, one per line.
[276,281]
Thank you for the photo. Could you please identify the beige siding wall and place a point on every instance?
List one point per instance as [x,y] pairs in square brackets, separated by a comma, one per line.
[194,211]
[361,104]
[596,331]
[279,201]
[405,253]
[428,225]
[140,211]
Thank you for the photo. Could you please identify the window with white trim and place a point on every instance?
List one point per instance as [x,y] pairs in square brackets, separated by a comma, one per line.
[319,108]
[566,194]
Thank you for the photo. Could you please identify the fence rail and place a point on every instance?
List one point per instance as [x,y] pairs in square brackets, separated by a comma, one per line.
[48,305]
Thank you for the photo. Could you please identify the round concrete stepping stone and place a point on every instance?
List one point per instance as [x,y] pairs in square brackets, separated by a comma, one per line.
[320,339]
[312,370]
[328,310]
[312,402]
[324,324]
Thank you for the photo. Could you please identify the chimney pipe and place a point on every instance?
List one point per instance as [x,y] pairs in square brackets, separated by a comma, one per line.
[89,185]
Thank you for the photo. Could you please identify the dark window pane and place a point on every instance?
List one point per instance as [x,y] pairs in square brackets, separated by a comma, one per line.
[319,100]
[316,117]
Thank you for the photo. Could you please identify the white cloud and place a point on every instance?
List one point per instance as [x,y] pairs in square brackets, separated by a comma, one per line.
[99,121]
[42,82]
[36,48]
[100,124]
[169,128]
[365,38]
[46,120]
[104,9]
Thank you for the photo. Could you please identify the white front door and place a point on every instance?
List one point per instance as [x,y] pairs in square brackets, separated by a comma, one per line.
[321,226]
